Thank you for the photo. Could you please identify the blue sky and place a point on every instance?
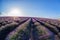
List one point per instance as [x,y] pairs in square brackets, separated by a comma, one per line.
[33,8]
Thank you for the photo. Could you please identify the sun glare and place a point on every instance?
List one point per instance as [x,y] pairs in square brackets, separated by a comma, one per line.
[15,12]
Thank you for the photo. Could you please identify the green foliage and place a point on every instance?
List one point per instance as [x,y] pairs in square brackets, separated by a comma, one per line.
[19,34]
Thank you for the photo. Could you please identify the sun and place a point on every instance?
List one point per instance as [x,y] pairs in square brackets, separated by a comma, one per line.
[15,12]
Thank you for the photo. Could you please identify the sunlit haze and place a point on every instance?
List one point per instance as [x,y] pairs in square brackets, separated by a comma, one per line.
[15,12]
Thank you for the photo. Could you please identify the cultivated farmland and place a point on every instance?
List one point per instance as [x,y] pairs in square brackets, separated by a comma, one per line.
[29,28]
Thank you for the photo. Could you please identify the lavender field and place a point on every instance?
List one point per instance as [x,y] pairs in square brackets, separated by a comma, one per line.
[29,28]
